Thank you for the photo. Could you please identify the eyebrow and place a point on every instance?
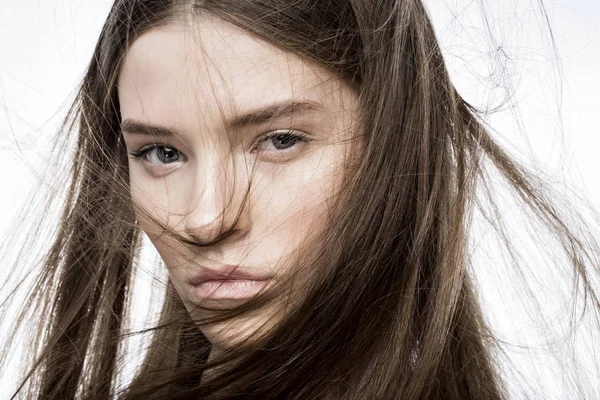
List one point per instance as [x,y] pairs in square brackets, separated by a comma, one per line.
[254,117]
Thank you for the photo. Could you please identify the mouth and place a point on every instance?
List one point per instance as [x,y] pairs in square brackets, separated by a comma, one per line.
[228,282]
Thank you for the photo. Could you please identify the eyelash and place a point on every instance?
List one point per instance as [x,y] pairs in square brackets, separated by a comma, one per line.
[288,134]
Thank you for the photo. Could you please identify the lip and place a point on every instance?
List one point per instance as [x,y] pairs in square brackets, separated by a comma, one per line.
[228,282]
[228,272]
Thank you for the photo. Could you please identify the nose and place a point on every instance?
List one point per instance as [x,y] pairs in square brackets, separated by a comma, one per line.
[216,210]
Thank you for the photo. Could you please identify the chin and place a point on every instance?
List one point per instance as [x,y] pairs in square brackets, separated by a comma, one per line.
[227,334]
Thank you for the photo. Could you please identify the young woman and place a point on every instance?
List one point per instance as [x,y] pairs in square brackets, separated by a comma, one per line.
[307,172]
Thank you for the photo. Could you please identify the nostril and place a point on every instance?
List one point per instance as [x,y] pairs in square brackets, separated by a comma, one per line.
[203,229]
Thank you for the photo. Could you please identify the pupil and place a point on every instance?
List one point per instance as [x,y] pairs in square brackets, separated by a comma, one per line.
[166,154]
[284,139]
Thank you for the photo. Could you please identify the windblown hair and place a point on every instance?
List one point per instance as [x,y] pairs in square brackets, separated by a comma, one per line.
[391,310]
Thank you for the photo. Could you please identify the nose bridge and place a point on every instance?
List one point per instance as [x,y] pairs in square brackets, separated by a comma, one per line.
[212,204]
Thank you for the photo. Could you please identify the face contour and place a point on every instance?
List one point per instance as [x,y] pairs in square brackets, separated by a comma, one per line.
[206,108]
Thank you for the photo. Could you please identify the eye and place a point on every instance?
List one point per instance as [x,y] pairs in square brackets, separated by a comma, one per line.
[157,154]
[280,141]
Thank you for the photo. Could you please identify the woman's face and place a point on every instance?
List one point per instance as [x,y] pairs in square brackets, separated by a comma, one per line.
[206,107]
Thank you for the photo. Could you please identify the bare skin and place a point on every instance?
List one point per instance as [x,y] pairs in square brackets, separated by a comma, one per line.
[199,79]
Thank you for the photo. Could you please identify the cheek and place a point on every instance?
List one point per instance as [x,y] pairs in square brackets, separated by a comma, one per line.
[159,198]
[148,199]
[145,206]
[294,204]
[287,204]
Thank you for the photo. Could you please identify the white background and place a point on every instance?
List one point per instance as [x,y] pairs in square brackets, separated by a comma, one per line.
[45,46]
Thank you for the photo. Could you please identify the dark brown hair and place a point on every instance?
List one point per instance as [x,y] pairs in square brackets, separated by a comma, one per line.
[392,312]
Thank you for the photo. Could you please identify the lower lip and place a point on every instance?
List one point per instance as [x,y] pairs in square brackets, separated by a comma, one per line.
[229,289]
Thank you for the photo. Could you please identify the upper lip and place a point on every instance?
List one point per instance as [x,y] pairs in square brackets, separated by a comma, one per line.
[228,272]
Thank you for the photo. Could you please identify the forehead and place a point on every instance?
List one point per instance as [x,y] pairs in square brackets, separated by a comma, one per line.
[211,65]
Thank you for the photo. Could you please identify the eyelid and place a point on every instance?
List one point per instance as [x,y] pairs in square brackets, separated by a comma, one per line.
[302,136]
[144,150]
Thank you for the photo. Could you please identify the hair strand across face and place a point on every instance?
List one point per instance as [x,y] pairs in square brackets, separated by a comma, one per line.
[380,303]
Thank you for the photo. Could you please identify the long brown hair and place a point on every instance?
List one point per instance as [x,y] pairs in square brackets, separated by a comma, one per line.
[392,311]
